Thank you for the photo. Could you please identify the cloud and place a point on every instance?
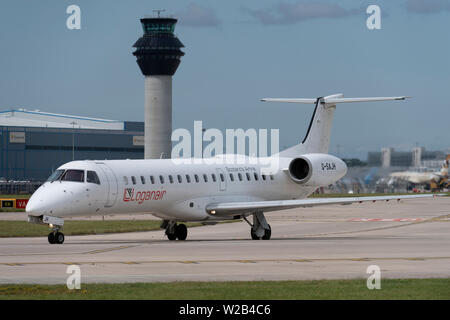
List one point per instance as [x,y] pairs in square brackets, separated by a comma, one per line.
[196,15]
[427,6]
[291,13]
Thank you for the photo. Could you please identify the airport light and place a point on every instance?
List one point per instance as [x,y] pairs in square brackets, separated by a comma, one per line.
[73,123]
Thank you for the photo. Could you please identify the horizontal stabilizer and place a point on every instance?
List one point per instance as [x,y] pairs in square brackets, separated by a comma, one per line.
[305,101]
[346,100]
[333,99]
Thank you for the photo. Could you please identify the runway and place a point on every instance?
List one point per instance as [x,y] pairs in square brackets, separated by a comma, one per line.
[410,239]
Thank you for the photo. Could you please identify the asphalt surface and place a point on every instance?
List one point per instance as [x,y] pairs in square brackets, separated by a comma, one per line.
[410,239]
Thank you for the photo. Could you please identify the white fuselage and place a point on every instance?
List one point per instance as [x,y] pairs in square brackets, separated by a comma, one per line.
[165,189]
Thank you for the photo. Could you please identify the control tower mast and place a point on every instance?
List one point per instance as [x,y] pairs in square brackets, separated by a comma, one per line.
[158,54]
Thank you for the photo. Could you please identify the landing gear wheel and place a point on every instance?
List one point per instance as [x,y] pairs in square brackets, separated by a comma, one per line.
[59,238]
[267,233]
[171,236]
[51,238]
[181,231]
[253,234]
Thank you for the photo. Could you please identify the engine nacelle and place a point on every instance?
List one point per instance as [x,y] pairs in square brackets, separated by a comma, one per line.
[316,169]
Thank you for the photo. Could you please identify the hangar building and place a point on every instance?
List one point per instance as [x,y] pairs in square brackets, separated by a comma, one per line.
[34,143]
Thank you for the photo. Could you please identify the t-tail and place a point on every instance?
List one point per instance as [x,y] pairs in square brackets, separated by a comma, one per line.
[317,139]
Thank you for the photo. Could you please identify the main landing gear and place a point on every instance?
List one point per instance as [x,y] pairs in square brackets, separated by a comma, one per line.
[174,231]
[56,237]
[260,229]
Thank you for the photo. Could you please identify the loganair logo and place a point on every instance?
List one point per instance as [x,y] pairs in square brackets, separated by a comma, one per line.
[141,196]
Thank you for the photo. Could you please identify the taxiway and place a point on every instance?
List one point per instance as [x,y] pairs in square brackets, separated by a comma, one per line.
[406,240]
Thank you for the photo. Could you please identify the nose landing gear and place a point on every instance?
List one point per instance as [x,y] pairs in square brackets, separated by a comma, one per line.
[56,223]
[56,237]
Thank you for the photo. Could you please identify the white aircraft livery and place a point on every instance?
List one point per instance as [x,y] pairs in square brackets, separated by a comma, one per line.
[203,191]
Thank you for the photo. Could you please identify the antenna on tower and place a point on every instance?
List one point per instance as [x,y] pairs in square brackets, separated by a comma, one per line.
[158,11]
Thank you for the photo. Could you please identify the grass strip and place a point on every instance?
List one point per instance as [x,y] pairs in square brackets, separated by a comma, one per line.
[435,289]
[80,227]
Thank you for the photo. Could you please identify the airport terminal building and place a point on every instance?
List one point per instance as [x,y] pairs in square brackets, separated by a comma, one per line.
[34,143]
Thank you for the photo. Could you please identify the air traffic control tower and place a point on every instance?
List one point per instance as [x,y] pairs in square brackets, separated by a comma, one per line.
[158,54]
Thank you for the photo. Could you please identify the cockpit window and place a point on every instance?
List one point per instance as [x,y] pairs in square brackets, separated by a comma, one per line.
[55,175]
[92,177]
[73,175]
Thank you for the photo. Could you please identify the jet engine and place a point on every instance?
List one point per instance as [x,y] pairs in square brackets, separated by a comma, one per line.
[316,169]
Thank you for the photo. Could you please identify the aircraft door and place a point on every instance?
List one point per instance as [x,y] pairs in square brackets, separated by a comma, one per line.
[221,179]
[111,183]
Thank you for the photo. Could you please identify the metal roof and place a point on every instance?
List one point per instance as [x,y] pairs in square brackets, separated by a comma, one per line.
[36,118]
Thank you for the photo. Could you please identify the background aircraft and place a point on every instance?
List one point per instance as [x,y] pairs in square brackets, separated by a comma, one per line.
[436,180]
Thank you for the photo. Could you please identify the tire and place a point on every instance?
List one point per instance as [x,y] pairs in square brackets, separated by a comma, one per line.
[181,231]
[267,233]
[59,238]
[171,236]
[253,234]
[51,238]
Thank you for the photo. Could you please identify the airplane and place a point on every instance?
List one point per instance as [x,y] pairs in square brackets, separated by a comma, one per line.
[201,191]
[435,180]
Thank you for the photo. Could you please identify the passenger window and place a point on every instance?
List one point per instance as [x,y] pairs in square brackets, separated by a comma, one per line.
[248,176]
[133,179]
[213,177]
[73,175]
[152,179]
[125,180]
[196,178]
[161,178]
[231,177]
[188,178]
[179,179]
[170,178]
[240,176]
[256,176]
[222,178]
[142,179]
[92,177]
[205,177]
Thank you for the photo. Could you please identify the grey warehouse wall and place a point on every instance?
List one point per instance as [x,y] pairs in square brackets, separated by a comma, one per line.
[45,149]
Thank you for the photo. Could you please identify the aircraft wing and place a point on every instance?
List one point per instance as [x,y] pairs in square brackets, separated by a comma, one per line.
[239,208]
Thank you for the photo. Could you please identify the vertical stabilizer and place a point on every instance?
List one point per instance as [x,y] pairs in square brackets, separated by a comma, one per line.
[317,139]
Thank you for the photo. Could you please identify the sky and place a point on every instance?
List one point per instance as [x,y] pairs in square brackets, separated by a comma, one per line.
[237,52]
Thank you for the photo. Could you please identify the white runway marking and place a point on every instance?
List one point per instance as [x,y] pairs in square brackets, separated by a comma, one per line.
[386,220]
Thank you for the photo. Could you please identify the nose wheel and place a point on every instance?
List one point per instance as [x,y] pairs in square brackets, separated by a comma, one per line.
[56,237]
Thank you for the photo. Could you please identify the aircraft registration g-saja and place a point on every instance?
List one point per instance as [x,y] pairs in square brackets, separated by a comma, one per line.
[202,192]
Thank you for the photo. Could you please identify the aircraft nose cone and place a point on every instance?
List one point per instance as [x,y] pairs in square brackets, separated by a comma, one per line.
[38,202]
[34,207]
